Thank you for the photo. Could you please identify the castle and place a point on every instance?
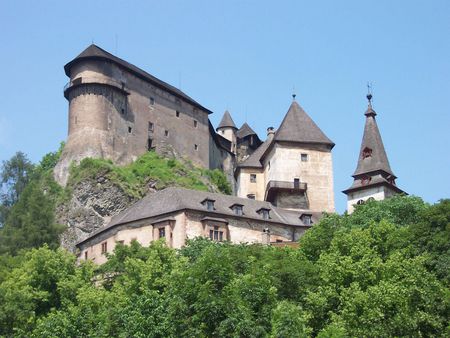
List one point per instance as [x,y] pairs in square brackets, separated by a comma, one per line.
[281,185]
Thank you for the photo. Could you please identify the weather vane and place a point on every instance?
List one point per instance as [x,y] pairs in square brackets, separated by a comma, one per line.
[369,92]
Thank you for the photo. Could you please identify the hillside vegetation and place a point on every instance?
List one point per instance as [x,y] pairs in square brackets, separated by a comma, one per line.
[31,195]
[380,272]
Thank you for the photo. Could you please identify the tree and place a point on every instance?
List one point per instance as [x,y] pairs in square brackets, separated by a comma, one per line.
[14,176]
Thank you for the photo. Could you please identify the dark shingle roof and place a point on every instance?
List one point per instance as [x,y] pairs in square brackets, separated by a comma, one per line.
[175,199]
[245,131]
[376,180]
[94,52]
[372,140]
[227,121]
[297,126]
[254,160]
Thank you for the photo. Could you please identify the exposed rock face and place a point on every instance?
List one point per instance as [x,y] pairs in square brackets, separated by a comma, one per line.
[93,204]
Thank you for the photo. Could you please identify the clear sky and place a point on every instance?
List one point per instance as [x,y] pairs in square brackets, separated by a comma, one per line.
[247,56]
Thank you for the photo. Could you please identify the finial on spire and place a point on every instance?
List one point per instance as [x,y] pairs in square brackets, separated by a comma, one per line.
[293,93]
[369,93]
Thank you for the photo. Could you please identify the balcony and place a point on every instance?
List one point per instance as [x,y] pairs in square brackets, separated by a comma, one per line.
[290,186]
[97,80]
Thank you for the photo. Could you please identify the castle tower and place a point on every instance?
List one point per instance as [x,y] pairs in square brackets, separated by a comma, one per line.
[117,111]
[227,129]
[373,177]
[293,168]
[247,142]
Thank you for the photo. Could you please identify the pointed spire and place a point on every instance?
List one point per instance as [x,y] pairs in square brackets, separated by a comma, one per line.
[372,156]
[244,131]
[227,121]
[297,126]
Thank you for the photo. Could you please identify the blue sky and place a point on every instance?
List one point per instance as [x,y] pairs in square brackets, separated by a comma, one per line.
[247,56]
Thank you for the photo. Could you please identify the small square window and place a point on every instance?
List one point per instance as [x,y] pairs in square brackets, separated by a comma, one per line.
[307,219]
[304,157]
[129,130]
[195,123]
[166,133]
[195,146]
[253,178]
[177,113]
[152,101]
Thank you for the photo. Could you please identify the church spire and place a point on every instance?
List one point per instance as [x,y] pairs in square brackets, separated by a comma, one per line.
[373,177]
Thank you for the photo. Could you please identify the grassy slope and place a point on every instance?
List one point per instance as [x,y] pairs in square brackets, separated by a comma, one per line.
[150,167]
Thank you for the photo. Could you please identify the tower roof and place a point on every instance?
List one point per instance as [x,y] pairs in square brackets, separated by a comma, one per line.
[372,156]
[227,121]
[245,131]
[93,52]
[297,126]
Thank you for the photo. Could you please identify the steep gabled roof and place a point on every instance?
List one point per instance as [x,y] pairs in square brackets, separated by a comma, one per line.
[297,126]
[94,52]
[245,131]
[372,156]
[227,121]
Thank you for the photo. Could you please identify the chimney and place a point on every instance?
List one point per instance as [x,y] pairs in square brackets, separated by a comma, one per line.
[270,132]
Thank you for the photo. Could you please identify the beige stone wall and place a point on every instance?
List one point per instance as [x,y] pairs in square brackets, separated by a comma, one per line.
[378,193]
[246,187]
[98,127]
[187,225]
[230,135]
[317,172]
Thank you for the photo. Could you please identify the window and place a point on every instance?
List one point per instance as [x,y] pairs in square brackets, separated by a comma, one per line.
[360,202]
[251,196]
[166,133]
[104,247]
[150,126]
[279,240]
[366,180]
[209,204]
[152,101]
[264,213]
[177,113]
[85,255]
[195,123]
[216,234]
[296,183]
[253,178]
[304,157]
[122,111]
[195,147]
[269,165]
[162,232]
[129,130]
[149,144]
[238,209]
[367,152]
[306,219]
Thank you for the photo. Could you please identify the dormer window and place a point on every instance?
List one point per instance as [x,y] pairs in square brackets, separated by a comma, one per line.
[264,213]
[251,196]
[209,204]
[365,180]
[238,209]
[367,152]
[306,219]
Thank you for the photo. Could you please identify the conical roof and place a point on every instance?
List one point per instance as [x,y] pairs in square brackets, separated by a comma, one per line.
[372,156]
[94,52]
[245,131]
[297,126]
[227,121]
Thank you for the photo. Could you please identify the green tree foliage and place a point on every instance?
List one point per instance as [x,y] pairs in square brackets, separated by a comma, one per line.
[376,273]
[14,176]
[29,199]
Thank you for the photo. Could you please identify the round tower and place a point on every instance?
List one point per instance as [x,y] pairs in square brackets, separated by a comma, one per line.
[98,113]
[227,129]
